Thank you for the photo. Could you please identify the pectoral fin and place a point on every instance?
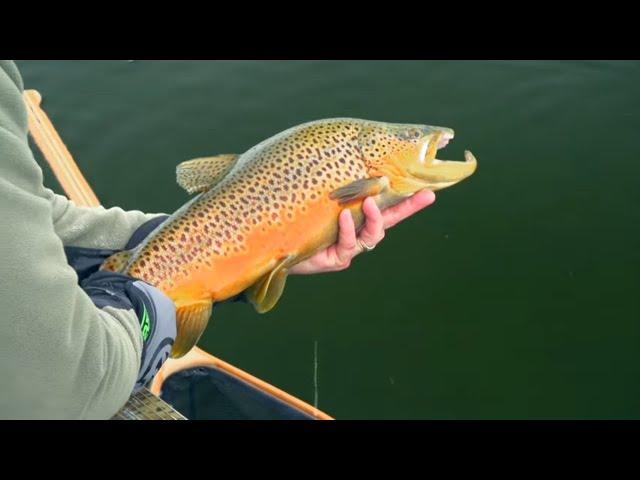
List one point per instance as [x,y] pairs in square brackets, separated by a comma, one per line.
[191,320]
[266,292]
[360,189]
[200,174]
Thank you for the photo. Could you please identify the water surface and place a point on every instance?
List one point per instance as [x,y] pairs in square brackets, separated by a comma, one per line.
[514,296]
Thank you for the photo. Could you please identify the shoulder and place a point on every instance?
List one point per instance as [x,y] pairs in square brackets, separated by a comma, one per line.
[13,114]
[10,76]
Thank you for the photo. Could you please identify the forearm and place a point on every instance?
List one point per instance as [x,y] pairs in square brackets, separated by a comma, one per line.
[61,356]
[93,227]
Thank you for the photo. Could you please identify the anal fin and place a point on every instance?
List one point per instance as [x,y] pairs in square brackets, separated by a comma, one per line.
[191,320]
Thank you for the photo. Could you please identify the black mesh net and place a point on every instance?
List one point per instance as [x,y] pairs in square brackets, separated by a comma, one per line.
[205,393]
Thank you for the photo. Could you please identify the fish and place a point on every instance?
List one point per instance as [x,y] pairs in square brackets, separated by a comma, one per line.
[257,214]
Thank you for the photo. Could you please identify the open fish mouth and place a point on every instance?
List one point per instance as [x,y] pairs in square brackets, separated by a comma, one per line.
[445,136]
[438,174]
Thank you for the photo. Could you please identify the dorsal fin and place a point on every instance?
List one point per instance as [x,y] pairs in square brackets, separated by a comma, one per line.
[200,174]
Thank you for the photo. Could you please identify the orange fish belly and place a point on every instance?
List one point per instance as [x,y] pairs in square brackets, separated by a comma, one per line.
[226,276]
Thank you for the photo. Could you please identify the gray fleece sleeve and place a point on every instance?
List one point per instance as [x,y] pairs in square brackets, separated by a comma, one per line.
[60,356]
[93,227]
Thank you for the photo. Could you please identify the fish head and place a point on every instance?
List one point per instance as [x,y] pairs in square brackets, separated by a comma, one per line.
[406,155]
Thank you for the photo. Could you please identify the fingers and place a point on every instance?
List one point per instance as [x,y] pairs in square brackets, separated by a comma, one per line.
[347,247]
[373,231]
[375,224]
[339,255]
[393,215]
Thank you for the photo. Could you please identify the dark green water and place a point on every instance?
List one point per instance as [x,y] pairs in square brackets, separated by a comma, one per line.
[514,296]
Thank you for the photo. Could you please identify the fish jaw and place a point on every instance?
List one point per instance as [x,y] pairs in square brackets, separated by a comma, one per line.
[435,174]
[406,156]
[440,174]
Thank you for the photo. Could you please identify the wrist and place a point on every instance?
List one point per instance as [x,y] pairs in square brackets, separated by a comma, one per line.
[156,313]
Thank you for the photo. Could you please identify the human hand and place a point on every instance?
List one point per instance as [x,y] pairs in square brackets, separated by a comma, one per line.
[339,255]
[155,311]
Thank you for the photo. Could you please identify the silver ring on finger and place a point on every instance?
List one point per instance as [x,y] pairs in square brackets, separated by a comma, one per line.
[364,246]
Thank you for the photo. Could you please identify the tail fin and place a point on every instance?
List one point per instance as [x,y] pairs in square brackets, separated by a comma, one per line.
[117,262]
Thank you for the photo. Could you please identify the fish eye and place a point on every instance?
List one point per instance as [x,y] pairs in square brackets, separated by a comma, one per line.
[410,134]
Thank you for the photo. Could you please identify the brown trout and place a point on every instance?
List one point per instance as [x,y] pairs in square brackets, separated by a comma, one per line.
[258,214]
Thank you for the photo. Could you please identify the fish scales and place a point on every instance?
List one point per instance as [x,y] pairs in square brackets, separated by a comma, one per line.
[273,186]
